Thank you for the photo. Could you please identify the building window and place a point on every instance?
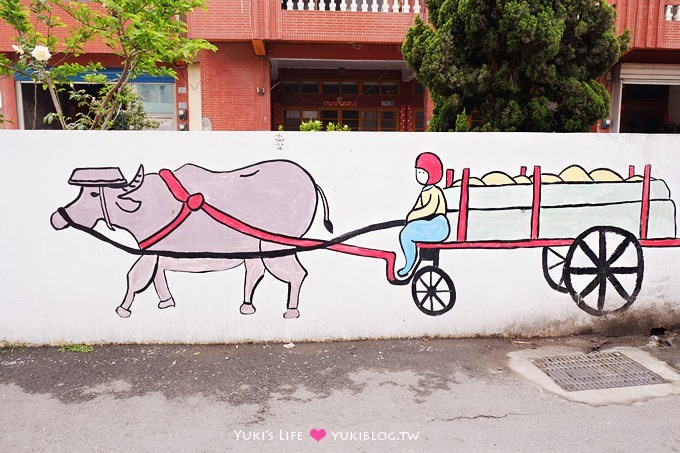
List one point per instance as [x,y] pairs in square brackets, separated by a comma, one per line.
[349,87]
[345,87]
[310,87]
[293,118]
[356,119]
[419,121]
[351,118]
[389,88]
[371,88]
[159,102]
[329,116]
[331,87]
[369,120]
[158,98]
[291,87]
[388,121]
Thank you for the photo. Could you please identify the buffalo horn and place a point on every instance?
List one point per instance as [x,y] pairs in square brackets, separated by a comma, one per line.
[136,181]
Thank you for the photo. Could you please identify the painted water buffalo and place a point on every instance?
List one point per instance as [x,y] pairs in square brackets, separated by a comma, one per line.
[168,211]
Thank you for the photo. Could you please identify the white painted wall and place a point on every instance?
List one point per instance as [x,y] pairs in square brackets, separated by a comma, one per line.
[64,285]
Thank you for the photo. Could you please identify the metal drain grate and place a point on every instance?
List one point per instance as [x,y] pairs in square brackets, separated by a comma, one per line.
[600,370]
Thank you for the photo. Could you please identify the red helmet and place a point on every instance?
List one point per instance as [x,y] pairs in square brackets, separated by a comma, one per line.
[432,165]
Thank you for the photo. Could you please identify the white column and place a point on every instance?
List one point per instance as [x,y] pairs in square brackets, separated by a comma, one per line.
[374,6]
[669,12]
[310,5]
[353,6]
[364,5]
[343,5]
[407,6]
[289,5]
[300,5]
[386,6]
[395,7]
[416,7]
[676,16]
[194,93]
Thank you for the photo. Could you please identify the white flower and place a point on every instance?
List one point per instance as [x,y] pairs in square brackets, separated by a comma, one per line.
[18,49]
[41,53]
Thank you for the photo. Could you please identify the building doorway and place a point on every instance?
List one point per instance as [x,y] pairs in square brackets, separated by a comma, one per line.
[645,109]
[362,99]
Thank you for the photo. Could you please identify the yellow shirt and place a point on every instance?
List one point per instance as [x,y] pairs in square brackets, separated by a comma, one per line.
[430,203]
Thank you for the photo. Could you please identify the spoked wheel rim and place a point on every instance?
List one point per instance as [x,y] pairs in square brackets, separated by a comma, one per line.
[553,267]
[603,270]
[433,291]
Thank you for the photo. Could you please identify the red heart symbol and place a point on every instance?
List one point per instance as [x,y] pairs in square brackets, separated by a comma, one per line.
[318,434]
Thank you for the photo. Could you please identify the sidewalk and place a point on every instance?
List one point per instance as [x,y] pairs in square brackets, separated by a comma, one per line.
[434,395]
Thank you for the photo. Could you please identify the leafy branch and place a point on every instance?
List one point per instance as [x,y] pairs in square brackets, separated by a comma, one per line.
[147,37]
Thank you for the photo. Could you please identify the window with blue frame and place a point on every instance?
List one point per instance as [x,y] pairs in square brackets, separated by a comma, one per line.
[34,103]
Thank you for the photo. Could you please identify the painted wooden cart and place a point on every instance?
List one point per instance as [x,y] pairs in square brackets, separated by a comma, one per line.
[601,268]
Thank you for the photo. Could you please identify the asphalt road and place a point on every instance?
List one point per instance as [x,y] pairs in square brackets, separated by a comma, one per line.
[434,395]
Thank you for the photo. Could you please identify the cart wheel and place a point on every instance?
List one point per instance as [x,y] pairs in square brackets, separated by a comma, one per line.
[433,291]
[604,256]
[553,267]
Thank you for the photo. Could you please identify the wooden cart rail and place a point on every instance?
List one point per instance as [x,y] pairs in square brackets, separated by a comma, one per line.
[533,232]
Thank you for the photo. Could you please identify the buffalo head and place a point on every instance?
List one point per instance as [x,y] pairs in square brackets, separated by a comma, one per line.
[98,186]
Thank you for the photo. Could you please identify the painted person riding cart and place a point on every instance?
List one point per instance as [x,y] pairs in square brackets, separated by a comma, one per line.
[426,222]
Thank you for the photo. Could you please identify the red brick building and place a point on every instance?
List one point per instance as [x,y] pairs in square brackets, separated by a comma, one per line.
[281,62]
[645,84]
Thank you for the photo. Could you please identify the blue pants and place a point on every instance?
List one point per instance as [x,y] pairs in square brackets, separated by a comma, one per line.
[433,230]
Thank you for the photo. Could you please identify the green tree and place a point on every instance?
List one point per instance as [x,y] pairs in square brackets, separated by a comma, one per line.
[521,65]
[147,37]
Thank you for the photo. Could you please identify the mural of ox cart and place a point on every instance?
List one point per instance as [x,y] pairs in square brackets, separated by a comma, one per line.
[591,227]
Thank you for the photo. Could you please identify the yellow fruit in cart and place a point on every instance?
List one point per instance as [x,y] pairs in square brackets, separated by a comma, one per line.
[605,175]
[471,182]
[548,178]
[521,179]
[575,173]
[497,178]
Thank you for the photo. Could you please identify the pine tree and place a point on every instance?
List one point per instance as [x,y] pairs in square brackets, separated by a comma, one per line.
[520,65]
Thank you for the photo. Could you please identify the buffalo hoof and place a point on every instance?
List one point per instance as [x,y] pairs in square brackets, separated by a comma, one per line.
[123,312]
[166,303]
[247,309]
[291,313]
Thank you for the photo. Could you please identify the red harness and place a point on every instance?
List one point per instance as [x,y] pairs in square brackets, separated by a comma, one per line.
[194,202]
